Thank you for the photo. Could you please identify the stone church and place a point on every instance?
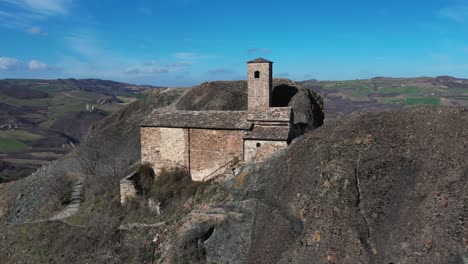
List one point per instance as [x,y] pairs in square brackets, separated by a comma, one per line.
[208,143]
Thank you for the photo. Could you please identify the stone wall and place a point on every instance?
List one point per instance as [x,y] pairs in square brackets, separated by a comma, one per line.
[211,150]
[257,150]
[259,89]
[128,190]
[165,147]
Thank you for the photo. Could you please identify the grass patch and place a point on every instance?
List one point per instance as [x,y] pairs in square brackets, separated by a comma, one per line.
[49,89]
[138,96]
[454,91]
[391,100]
[346,85]
[458,97]
[24,102]
[422,101]
[406,90]
[11,145]
[362,91]
[20,135]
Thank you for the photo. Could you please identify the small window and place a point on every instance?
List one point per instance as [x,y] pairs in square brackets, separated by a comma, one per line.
[257,74]
[259,145]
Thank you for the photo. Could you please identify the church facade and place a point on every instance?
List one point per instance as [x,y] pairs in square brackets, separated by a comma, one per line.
[208,143]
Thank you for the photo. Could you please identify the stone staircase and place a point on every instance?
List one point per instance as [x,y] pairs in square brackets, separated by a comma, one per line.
[75,202]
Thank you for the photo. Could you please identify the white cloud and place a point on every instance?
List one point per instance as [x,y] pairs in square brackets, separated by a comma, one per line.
[37,65]
[42,7]
[11,64]
[458,13]
[7,64]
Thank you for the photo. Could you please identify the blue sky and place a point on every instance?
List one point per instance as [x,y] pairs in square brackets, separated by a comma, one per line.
[185,42]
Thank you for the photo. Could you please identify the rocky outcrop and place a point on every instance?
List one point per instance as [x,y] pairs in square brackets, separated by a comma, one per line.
[307,105]
[373,188]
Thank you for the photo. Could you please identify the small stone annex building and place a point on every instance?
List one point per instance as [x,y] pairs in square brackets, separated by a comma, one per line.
[208,143]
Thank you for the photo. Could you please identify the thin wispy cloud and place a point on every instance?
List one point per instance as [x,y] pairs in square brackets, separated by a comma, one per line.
[220,71]
[146,71]
[83,44]
[457,13]
[283,74]
[190,57]
[41,7]
[153,67]
[186,55]
[23,14]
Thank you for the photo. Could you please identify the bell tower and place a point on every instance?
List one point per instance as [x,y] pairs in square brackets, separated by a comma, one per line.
[259,82]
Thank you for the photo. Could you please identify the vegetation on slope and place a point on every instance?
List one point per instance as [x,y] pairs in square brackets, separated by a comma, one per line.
[42,119]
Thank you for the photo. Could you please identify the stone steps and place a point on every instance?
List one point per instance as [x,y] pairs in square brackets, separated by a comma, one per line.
[75,202]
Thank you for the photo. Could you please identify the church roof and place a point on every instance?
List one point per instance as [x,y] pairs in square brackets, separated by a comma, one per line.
[279,133]
[229,120]
[260,60]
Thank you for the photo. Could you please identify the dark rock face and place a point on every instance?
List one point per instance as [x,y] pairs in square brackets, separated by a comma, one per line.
[373,188]
[307,105]
[215,96]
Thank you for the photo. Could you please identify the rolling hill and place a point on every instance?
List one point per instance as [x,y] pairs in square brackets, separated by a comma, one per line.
[40,120]
[381,93]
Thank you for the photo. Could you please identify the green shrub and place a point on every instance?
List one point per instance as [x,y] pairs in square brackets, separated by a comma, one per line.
[173,186]
[143,178]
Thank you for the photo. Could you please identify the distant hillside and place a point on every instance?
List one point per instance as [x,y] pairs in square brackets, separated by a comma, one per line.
[381,93]
[40,120]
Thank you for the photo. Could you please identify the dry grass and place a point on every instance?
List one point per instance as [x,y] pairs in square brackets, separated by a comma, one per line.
[4,198]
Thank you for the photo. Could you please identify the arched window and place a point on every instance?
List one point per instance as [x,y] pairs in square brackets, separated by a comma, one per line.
[257,74]
[259,145]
